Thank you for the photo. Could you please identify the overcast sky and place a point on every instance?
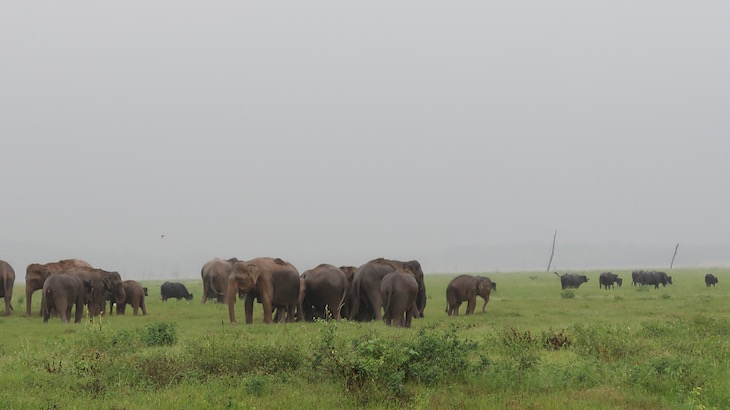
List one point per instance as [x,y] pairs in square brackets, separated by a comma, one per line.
[339,132]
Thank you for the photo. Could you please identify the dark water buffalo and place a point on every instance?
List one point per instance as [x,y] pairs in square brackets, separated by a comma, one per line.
[608,279]
[655,278]
[637,277]
[710,279]
[174,290]
[571,280]
[642,277]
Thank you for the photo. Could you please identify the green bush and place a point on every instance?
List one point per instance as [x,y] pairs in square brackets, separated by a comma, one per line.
[567,294]
[605,342]
[371,361]
[160,334]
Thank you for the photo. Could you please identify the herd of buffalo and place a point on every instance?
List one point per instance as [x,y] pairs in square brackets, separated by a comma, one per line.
[381,289]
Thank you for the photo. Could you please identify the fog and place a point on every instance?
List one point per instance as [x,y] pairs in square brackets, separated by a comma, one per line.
[459,134]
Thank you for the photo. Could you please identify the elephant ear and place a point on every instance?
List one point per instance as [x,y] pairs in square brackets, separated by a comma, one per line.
[88,286]
[482,286]
[107,281]
[254,272]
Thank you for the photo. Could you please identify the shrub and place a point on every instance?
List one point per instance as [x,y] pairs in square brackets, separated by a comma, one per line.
[370,361]
[160,334]
[567,294]
[521,348]
[605,342]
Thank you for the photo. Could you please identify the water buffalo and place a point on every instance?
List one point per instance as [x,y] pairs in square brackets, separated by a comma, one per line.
[607,279]
[710,279]
[571,280]
[174,290]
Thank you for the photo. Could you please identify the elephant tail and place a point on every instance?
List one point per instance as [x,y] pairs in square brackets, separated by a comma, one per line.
[557,274]
[355,295]
[342,300]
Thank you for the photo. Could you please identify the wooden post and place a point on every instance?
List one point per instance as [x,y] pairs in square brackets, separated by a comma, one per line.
[552,252]
[675,255]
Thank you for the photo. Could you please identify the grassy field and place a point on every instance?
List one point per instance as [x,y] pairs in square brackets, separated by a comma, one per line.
[537,347]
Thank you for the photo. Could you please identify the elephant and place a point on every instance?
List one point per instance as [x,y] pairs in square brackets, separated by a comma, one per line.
[36,274]
[399,290]
[466,288]
[349,272]
[7,281]
[135,294]
[365,289]
[323,286]
[215,275]
[62,292]
[102,282]
[273,282]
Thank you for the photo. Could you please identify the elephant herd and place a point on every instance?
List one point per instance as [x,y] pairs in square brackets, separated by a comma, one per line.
[381,289]
[72,283]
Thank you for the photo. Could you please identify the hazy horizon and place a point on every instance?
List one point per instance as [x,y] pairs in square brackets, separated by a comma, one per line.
[462,135]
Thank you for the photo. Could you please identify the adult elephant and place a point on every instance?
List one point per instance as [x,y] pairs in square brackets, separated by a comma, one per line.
[36,274]
[399,290]
[215,275]
[467,288]
[365,287]
[322,287]
[103,281]
[61,293]
[134,296]
[273,282]
[7,281]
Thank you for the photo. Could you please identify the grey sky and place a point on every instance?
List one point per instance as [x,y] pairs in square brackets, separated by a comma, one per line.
[339,132]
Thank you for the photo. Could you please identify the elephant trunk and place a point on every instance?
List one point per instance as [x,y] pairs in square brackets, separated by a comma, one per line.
[231,301]
[484,307]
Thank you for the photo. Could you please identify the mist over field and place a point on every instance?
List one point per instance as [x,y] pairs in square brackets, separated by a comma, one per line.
[459,135]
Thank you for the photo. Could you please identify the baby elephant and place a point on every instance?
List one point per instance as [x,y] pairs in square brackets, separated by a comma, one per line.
[466,288]
[399,290]
[61,292]
[135,297]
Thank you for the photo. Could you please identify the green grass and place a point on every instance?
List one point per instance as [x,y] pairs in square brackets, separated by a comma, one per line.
[534,348]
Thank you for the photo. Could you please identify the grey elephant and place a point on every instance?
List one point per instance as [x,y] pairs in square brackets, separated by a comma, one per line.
[466,288]
[134,296]
[7,281]
[61,293]
[273,282]
[103,281]
[322,287]
[215,275]
[36,274]
[365,289]
[399,290]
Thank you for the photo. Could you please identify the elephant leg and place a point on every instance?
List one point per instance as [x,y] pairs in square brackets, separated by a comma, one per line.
[375,300]
[410,314]
[248,308]
[206,289]
[79,311]
[266,302]
[62,310]
[457,306]
[471,305]
[28,295]
[46,314]
[144,308]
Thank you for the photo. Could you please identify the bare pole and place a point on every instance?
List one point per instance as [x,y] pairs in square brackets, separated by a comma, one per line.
[552,252]
[675,255]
